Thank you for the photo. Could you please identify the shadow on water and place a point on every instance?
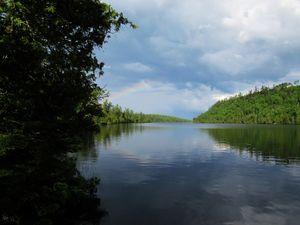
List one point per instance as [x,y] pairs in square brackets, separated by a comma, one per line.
[106,135]
[280,144]
[114,132]
[40,184]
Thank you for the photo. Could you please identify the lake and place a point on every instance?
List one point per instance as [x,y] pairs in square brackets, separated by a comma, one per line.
[184,173]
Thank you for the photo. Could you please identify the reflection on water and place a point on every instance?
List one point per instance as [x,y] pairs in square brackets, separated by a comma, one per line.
[196,174]
[109,133]
[280,144]
[41,185]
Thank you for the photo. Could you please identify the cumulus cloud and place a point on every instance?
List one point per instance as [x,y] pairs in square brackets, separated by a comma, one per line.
[233,62]
[157,97]
[217,28]
[291,77]
[269,20]
[137,67]
[227,45]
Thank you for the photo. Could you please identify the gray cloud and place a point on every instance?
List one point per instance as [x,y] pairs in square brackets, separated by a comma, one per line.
[213,43]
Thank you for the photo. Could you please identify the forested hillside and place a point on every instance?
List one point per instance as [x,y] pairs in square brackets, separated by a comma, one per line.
[114,114]
[280,104]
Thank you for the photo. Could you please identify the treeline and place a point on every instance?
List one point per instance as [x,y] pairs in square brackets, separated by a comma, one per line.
[280,104]
[114,114]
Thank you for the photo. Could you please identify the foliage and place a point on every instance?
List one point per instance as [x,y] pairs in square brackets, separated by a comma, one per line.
[48,68]
[48,97]
[280,104]
[115,114]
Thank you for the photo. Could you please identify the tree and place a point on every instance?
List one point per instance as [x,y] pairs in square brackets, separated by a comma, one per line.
[48,68]
[279,104]
[48,95]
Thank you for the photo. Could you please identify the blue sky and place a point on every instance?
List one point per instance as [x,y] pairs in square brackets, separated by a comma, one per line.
[188,54]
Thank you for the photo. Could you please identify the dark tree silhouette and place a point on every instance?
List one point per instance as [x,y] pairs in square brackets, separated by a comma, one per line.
[48,98]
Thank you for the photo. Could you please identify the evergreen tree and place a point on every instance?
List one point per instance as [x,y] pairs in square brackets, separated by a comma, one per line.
[279,104]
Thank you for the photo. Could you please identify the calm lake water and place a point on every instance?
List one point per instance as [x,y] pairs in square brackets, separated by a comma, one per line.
[184,174]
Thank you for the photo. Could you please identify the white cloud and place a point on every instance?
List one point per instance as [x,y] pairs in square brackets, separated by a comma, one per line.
[150,96]
[290,77]
[215,27]
[269,20]
[236,44]
[234,62]
[137,67]
[166,98]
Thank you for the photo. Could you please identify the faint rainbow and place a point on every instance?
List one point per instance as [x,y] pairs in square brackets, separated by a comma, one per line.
[127,90]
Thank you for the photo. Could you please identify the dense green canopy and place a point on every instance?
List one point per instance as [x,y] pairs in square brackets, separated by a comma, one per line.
[48,97]
[280,104]
[114,114]
[48,68]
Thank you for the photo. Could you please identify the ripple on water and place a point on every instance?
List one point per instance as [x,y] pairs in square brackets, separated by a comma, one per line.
[199,174]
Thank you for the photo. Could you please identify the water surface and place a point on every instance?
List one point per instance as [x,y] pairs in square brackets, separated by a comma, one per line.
[186,174]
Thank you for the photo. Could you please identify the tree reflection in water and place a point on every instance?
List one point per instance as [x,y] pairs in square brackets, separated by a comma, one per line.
[270,143]
[113,132]
[40,184]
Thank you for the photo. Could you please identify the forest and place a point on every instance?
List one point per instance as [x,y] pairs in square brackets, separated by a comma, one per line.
[277,105]
[48,102]
[114,114]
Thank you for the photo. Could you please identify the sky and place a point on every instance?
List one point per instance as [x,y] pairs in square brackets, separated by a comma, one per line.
[188,54]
